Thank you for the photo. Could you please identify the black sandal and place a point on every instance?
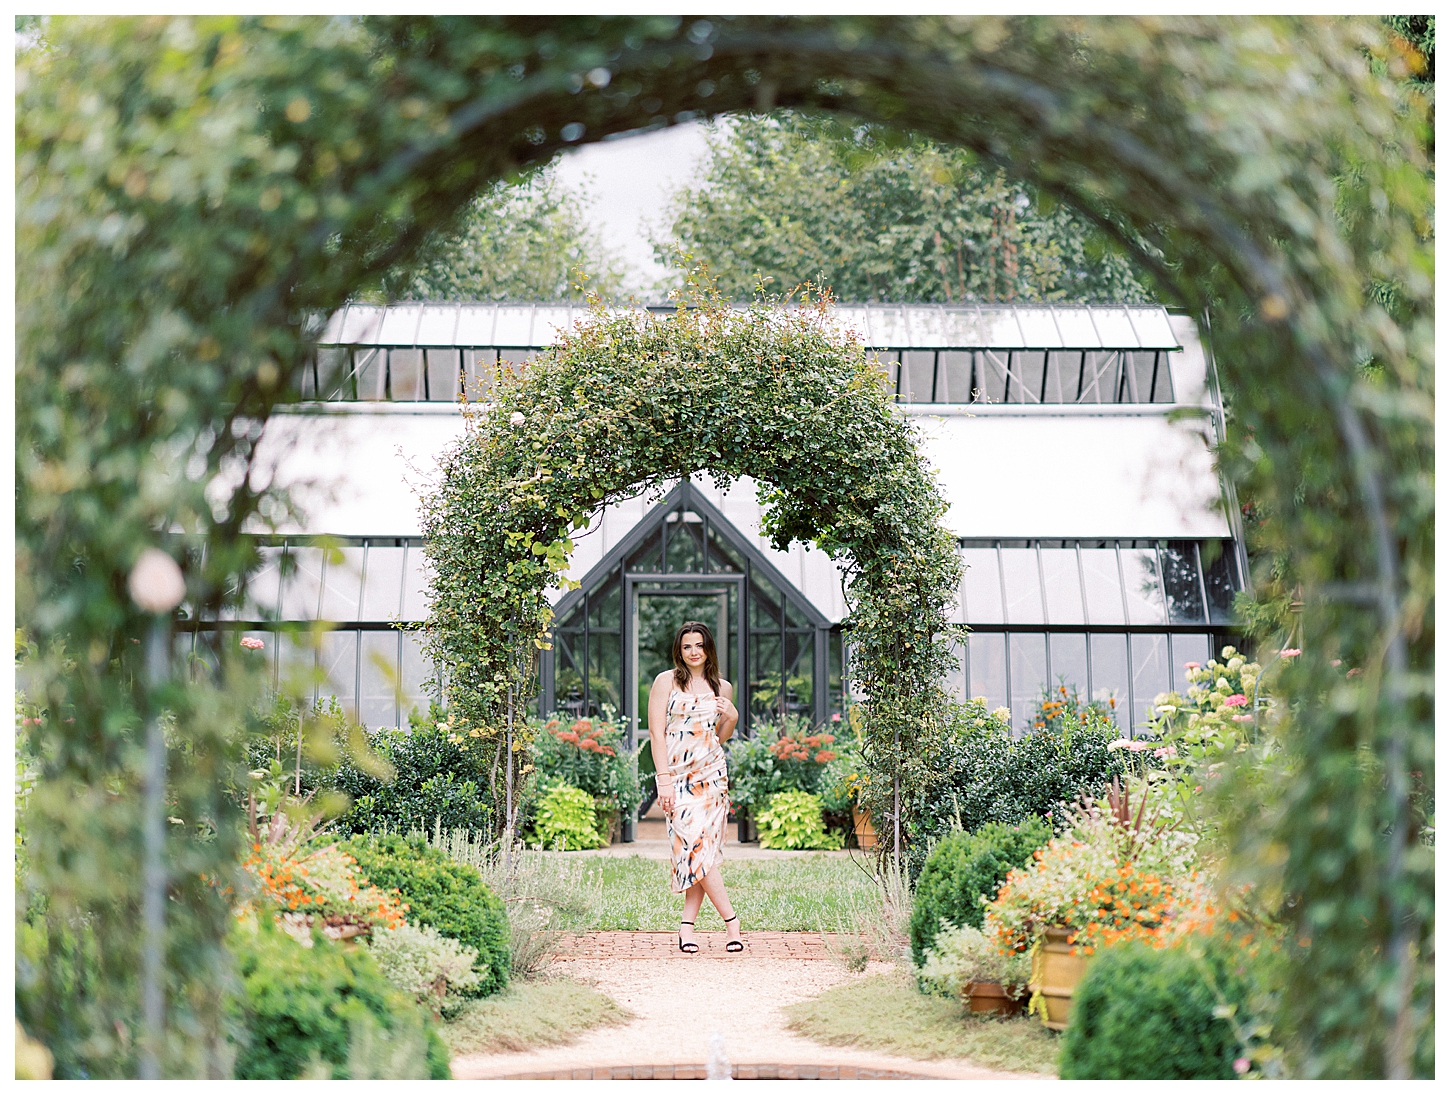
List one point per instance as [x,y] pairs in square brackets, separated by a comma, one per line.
[735,946]
[688,948]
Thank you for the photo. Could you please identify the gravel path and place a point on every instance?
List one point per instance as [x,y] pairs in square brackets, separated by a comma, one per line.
[681,1004]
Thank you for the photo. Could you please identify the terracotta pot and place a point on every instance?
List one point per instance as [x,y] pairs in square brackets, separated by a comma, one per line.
[990,998]
[1055,974]
[864,830]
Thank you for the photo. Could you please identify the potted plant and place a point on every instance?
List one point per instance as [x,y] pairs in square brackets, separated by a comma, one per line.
[962,961]
[590,754]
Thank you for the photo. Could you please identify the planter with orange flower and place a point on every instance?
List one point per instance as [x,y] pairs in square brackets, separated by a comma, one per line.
[591,754]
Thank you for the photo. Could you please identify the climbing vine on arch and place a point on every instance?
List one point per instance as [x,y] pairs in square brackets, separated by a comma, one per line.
[629,401]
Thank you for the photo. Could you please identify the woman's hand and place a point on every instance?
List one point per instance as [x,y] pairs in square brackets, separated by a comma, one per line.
[666,794]
[725,711]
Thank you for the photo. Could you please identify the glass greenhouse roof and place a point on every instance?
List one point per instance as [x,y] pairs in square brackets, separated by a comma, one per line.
[898,326]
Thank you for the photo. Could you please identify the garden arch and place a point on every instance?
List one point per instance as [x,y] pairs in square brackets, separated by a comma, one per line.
[1307,228]
[628,400]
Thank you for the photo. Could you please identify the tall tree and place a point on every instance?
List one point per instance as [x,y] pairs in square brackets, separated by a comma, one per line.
[526,240]
[789,198]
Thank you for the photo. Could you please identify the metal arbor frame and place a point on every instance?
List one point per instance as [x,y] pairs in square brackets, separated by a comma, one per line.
[685,496]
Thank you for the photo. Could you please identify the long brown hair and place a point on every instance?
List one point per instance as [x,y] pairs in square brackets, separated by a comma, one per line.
[712,663]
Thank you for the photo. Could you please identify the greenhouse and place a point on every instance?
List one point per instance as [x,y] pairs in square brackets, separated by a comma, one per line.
[1071,443]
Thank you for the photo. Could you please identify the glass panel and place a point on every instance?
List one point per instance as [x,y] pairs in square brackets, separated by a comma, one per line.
[765,690]
[1063,367]
[297,673]
[957,677]
[917,369]
[1102,585]
[343,591]
[992,375]
[1188,648]
[685,553]
[405,375]
[1141,365]
[513,361]
[1069,663]
[264,587]
[568,681]
[834,669]
[1028,373]
[604,604]
[954,377]
[338,663]
[981,587]
[1151,675]
[1029,675]
[800,673]
[417,669]
[443,375]
[333,365]
[478,373]
[382,597]
[1099,376]
[1064,591]
[574,618]
[415,584]
[371,369]
[307,380]
[301,583]
[723,556]
[605,685]
[987,669]
[1023,586]
[1110,672]
[1220,575]
[379,674]
[1180,578]
[764,605]
[1145,593]
[1163,384]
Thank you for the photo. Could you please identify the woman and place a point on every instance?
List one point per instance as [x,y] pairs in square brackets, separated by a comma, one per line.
[690,715]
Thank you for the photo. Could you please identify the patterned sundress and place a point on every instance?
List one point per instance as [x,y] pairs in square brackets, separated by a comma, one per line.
[702,797]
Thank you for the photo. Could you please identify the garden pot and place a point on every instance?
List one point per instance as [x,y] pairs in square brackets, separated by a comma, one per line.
[1055,974]
[611,824]
[864,830]
[990,998]
[744,828]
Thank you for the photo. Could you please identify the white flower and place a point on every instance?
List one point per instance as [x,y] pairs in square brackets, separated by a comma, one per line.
[1003,713]
[1121,743]
[516,419]
[1234,663]
[1166,709]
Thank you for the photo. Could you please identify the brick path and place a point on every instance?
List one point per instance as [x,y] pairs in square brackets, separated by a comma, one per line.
[712,945]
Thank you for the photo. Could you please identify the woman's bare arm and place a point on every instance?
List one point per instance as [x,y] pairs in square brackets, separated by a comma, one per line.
[659,699]
[728,716]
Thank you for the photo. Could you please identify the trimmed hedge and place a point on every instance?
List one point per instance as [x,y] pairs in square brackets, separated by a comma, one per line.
[964,868]
[443,894]
[1146,1014]
[301,1006]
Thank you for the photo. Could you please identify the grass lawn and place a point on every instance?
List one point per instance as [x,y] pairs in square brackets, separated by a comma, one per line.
[887,1014]
[804,893]
[531,1013]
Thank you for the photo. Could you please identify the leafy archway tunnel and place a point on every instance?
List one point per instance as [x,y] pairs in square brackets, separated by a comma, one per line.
[284,163]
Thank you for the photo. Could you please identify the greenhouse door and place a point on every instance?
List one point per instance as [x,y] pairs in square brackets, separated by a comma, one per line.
[658,605]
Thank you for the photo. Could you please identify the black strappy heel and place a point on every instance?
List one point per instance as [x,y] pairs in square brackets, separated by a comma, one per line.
[688,948]
[735,946]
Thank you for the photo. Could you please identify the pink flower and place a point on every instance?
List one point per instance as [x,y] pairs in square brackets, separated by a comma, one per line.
[1241,1065]
[1192,665]
[249,643]
[1354,672]
[836,717]
[1335,663]
[1290,652]
[1243,718]
[1166,751]
[1138,746]
[1238,699]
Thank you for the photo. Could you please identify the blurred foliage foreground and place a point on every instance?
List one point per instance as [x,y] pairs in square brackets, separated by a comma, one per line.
[191,190]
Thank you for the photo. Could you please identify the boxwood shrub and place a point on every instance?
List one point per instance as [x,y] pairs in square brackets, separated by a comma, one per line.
[303,1006]
[1145,1014]
[962,869]
[443,894]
